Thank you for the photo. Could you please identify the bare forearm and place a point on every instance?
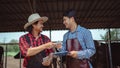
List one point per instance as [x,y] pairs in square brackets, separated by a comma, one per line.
[35,50]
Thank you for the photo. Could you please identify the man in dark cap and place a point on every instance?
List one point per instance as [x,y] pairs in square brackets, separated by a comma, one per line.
[77,41]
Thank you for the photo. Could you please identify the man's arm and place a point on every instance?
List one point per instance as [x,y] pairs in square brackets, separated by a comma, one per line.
[27,51]
[35,50]
[89,44]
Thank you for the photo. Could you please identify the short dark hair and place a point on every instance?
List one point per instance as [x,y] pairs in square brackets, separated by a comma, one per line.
[70,13]
[29,28]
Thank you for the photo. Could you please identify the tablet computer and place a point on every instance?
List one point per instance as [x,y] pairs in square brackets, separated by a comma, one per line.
[63,53]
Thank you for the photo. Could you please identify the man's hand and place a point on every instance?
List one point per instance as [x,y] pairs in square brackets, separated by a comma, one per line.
[50,45]
[58,45]
[47,60]
[46,63]
[73,54]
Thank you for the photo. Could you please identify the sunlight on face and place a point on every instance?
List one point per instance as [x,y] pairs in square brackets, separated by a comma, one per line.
[39,26]
[66,21]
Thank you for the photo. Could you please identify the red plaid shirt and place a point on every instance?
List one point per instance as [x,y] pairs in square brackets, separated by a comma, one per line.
[24,45]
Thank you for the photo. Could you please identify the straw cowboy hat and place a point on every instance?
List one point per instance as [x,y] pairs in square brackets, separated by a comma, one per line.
[34,18]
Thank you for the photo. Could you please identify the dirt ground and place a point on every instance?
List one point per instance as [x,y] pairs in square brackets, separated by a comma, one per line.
[15,63]
[12,63]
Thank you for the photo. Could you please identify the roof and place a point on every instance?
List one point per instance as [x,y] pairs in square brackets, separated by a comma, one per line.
[92,14]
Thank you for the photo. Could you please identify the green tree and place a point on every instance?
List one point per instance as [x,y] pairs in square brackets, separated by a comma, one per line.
[114,35]
[14,47]
[13,41]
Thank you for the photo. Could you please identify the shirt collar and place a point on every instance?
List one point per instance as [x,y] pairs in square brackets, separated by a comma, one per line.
[31,35]
[78,28]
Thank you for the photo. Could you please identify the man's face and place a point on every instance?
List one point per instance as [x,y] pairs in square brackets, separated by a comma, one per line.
[66,21]
[39,26]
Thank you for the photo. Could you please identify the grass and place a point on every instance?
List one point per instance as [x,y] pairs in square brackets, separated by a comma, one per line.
[10,53]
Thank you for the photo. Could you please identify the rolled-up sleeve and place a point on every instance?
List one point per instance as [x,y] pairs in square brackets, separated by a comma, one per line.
[23,45]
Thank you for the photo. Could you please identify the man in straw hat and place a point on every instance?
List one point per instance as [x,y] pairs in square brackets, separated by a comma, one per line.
[35,46]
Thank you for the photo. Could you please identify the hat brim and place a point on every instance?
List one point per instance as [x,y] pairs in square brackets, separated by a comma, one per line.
[30,23]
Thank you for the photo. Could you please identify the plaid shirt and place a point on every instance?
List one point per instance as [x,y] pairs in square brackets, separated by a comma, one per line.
[24,45]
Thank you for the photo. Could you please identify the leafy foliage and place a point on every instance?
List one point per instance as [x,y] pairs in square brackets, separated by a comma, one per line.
[114,35]
[13,47]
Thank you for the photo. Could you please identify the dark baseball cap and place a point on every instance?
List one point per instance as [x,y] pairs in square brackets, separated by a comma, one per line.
[70,13]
